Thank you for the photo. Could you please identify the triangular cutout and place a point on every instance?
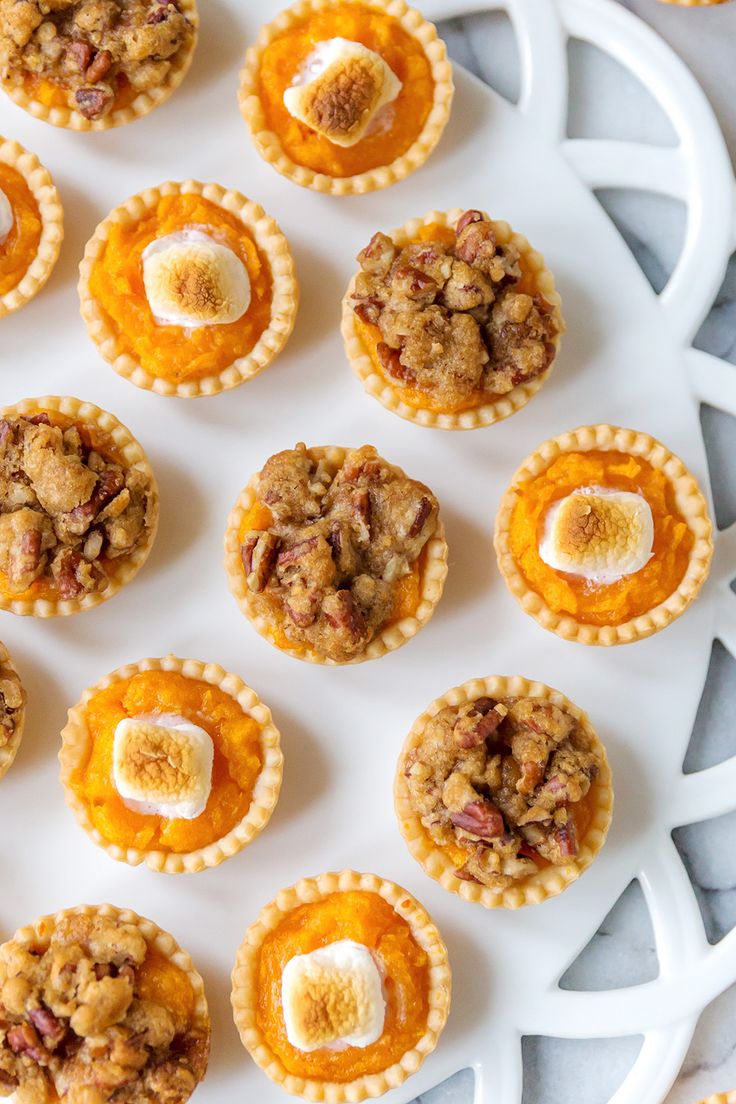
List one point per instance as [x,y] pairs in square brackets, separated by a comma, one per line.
[634,213]
[555,1069]
[621,953]
[708,854]
[719,434]
[485,43]
[716,335]
[459,1087]
[714,733]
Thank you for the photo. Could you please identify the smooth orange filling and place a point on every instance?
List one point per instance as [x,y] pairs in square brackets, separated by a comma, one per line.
[160,980]
[237,762]
[55,93]
[631,595]
[20,248]
[283,57]
[365,918]
[171,352]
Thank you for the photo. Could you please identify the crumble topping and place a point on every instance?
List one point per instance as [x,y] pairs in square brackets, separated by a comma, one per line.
[90,46]
[340,544]
[598,534]
[452,321]
[500,780]
[73,1022]
[11,703]
[65,510]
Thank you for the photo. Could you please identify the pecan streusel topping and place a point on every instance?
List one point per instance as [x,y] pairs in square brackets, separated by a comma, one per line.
[340,543]
[11,704]
[453,321]
[93,48]
[501,780]
[79,1025]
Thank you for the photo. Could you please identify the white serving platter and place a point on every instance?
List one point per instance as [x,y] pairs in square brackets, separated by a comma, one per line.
[626,359]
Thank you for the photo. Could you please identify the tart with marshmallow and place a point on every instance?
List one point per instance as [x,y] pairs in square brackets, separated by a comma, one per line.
[31,226]
[346,97]
[341,988]
[173,763]
[604,535]
[188,289]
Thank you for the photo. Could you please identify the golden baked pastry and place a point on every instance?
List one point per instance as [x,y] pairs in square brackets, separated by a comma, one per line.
[335,555]
[12,711]
[31,226]
[94,64]
[695,3]
[100,1005]
[346,96]
[308,998]
[503,792]
[78,508]
[453,320]
[172,763]
[720,1098]
[188,289]
[603,535]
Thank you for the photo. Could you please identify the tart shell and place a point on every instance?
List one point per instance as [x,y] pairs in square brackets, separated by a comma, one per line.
[550,880]
[487,413]
[10,750]
[46,196]
[145,102]
[268,144]
[391,637]
[691,504]
[134,456]
[244,996]
[269,239]
[75,744]
[721,1098]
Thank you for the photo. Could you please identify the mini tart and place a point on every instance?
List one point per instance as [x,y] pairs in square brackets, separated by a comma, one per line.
[405,41]
[46,99]
[110,439]
[415,602]
[443,863]
[638,604]
[412,403]
[12,711]
[143,999]
[720,1098]
[29,253]
[382,916]
[170,359]
[246,774]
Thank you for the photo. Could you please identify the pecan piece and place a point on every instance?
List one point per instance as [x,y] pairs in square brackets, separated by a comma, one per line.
[24,1039]
[342,613]
[368,310]
[46,1023]
[470,731]
[391,363]
[420,518]
[466,219]
[258,553]
[362,514]
[482,818]
[296,552]
[565,837]
[92,102]
[73,575]
[378,255]
[100,67]
[81,53]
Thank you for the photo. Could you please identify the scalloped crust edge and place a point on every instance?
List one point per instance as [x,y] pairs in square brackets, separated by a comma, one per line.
[145,102]
[691,504]
[244,986]
[547,882]
[10,750]
[44,192]
[390,396]
[269,239]
[720,1098]
[696,4]
[390,638]
[268,144]
[127,566]
[75,742]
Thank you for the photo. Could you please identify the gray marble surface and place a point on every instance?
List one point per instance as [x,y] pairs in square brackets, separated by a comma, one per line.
[607,102]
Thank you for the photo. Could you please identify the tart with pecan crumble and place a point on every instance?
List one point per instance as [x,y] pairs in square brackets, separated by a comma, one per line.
[188,289]
[452,321]
[604,536]
[335,555]
[78,506]
[12,711]
[94,64]
[341,988]
[173,763]
[503,792]
[99,1005]
[346,96]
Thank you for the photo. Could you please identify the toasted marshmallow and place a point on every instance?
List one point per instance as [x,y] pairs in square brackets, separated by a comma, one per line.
[191,280]
[6,216]
[340,90]
[598,534]
[333,998]
[162,765]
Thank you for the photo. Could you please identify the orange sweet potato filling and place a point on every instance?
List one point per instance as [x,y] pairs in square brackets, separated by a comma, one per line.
[56,94]
[284,56]
[630,596]
[160,980]
[366,918]
[237,762]
[20,247]
[171,352]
